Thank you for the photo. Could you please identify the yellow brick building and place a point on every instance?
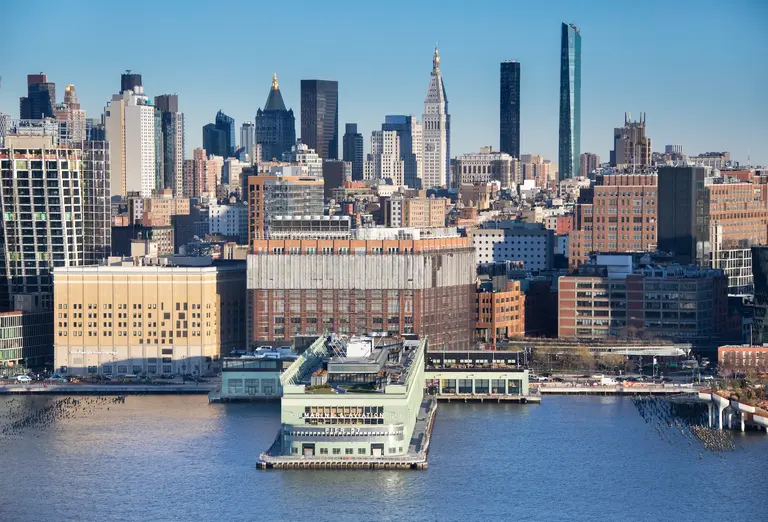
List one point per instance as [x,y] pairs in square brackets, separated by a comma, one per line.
[126,319]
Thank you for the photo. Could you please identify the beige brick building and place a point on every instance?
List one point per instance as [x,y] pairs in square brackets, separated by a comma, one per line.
[118,320]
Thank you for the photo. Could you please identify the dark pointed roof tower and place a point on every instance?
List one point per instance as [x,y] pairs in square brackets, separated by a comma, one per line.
[275,99]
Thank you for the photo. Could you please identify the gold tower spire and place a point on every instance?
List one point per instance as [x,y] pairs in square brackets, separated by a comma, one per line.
[274,82]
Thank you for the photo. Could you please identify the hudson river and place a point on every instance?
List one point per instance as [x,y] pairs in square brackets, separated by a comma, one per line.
[179,458]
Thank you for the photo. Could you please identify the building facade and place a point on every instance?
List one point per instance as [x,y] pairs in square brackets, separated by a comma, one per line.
[619,214]
[509,108]
[569,141]
[529,245]
[486,166]
[631,147]
[275,129]
[500,311]
[130,130]
[590,164]
[278,194]
[353,150]
[672,302]
[387,162]
[230,221]
[26,338]
[301,154]
[118,320]
[409,131]
[42,219]
[320,117]
[436,131]
[219,137]
[172,131]
[40,102]
[97,205]
[70,118]
[398,287]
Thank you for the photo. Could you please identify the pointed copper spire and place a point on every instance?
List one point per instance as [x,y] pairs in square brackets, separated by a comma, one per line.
[436,59]
[274,82]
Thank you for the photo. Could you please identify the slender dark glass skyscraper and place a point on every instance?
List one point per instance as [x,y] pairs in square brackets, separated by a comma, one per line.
[219,137]
[509,109]
[570,103]
[353,150]
[320,117]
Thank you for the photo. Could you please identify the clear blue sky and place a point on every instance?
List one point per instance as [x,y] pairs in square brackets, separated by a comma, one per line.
[699,69]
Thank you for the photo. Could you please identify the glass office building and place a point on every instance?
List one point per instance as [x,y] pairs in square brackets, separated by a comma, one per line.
[570,103]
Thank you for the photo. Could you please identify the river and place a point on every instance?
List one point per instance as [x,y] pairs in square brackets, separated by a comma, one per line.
[179,458]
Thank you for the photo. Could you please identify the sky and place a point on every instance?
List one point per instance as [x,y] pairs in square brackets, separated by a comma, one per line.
[697,68]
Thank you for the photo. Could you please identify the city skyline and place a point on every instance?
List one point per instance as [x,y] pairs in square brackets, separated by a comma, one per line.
[368,90]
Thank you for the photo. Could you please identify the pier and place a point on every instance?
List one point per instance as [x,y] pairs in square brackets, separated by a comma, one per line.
[415,459]
[105,389]
[618,390]
[520,399]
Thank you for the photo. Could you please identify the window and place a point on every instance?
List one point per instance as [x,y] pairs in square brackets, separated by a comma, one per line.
[337,451]
[323,451]
[348,451]
[361,451]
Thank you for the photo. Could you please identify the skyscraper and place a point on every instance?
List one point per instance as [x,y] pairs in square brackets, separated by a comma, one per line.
[387,162]
[683,214]
[97,204]
[353,150]
[569,138]
[130,129]
[411,146]
[436,130]
[247,139]
[219,137]
[509,109]
[40,101]
[275,126]
[172,128]
[129,81]
[320,117]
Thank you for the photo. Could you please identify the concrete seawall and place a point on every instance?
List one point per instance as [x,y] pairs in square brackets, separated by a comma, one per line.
[109,389]
[615,390]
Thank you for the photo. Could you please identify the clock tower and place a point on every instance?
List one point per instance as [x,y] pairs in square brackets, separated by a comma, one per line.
[436,131]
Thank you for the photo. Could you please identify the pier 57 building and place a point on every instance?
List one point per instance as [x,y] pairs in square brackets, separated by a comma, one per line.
[387,287]
[356,398]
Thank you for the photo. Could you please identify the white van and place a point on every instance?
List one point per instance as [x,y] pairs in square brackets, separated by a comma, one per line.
[23,378]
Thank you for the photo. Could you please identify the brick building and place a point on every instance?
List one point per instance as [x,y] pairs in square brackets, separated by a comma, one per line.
[618,215]
[615,298]
[743,358]
[307,287]
[500,311]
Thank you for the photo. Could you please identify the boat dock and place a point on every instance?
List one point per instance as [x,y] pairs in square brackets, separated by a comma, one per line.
[416,458]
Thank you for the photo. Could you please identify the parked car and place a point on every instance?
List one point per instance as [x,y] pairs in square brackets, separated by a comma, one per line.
[23,378]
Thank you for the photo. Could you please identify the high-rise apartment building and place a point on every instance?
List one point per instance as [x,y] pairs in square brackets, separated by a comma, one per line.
[275,126]
[130,129]
[590,163]
[70,118]
[385,151]
[619,214]
[320,117]
[247,140]
[194,174]
[42,219]
[535,167]
[509,108]
[172,146]
[409,130]
[436,123]
[219,137]
[398,286]
[302,154]
[97,204]
[353,150]
[631,147]
[40,102]
[486,166]
[285,191]
[569,138]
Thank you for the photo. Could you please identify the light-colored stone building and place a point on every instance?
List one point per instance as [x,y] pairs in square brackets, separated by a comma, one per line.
[125,319]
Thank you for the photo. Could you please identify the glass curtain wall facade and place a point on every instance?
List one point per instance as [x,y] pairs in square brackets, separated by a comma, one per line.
[569,141]
[320,117]
[509,109]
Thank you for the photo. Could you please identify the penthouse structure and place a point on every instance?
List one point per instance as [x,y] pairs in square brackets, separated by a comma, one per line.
[132,319]
[618,214]
[397,286]
[614,297]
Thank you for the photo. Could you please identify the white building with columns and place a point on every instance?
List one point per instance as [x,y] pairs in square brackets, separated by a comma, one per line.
[436,131]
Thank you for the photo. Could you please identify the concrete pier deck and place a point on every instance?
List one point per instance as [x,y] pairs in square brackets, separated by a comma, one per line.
[416,458]
[522,399]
